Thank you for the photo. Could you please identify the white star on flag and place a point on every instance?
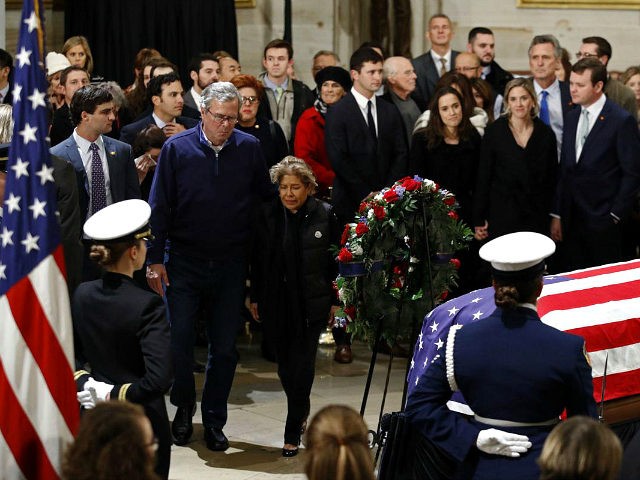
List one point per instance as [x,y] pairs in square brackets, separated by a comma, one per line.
[37,99]
[417,380]
[31,242]
[6,237]
[17,90]
[412,364]
[477,315]
[23,57]
[20,168]
[426,360]
[45,174]
[439,343]
[420,345]
[453,311]
[32,22]
[37,207]
[476,300]
[3,268]
[420,336]
[13,203]
[29,133]
[434,326]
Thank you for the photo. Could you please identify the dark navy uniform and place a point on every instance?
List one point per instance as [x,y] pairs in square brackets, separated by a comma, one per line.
[512,368]
[121,332]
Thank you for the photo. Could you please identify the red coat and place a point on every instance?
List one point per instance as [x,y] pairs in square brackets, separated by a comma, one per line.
[309,145]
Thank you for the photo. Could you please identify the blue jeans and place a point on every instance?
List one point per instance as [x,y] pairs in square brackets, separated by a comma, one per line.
[219,286]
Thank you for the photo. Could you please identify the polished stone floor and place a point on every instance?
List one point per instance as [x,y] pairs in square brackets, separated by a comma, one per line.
[257,410]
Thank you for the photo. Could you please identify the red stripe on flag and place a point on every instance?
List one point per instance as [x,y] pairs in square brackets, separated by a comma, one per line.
[588,297]
[618,385]
[592,272]
[22,439]
[610,335]
[45,348]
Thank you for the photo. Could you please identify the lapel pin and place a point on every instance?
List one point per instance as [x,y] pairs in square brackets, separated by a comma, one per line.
[112,153]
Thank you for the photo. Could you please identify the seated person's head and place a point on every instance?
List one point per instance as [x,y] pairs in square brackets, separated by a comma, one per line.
[338,446]
[115,441]
[580,449]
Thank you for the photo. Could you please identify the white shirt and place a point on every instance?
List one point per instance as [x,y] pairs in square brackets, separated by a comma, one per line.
[554,101]
[4,92]
[86,155]
[594,110]
[159,122]
[196,97]
[362,103]
[436,60]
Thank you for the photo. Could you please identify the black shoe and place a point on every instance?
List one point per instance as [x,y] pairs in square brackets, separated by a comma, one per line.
[289,453]
[182,426]
[216,439]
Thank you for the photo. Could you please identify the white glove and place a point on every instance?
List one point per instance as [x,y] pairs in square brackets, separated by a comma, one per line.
[497,442]
[99,390]
[85,399]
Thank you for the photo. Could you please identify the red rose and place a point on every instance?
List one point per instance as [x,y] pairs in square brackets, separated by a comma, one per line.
[410,184]
[444,295]
[455,262]
[378,211]
[390,196]
[345,255]
[451,200]
[453,215]
[345,234]
[361,229]
[362,208]
[350,311]
[436,187]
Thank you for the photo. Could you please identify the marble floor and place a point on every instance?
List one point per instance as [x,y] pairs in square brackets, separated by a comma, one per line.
[257,410]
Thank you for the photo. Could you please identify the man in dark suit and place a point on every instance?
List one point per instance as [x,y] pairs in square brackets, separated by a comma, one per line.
[203,70]
[482,43]
[364,138]
[599,171]
[553,95]
[105,171]
[6,66]
[436,62]
[165,93]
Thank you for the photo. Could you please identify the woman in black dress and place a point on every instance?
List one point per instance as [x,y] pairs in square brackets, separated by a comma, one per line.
[121,333]
[517,172]
[292,271]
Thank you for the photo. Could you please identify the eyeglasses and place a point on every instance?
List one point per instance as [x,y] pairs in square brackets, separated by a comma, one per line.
[580,55]
[223,118]
[251,100]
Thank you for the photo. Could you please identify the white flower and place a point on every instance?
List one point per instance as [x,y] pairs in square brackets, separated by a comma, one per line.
[370,214]
[341,295]
[414,260]
[378,197]
[357,250]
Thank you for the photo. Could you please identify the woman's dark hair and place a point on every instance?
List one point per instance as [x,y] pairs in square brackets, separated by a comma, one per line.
[110,444]
[485,91]
[509,293]
[565,61]
[149,137]
[463,85]
[248,81]
[105,254]
[435,130]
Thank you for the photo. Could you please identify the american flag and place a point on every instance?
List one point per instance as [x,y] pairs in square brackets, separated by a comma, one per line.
[600,304]
[38,406]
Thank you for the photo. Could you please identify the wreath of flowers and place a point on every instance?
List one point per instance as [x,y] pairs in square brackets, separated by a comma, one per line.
[384,276]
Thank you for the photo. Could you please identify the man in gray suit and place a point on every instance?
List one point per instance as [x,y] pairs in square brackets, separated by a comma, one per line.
[204,70]
[436,62]
[104,167]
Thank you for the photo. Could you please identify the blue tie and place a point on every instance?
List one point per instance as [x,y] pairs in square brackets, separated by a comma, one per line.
[544,108]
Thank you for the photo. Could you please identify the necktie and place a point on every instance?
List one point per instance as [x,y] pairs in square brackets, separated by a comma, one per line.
[584,127]
[443,66]
[98,191]
[279,92]
[544,108]
[370,122]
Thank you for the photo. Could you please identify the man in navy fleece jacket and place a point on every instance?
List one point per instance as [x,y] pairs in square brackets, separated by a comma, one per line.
[207,182]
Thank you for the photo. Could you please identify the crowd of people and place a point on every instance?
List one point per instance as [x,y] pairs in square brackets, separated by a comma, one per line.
[259,173]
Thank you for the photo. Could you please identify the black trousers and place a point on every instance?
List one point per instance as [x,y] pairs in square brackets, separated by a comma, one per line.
[296,357]
[588,247]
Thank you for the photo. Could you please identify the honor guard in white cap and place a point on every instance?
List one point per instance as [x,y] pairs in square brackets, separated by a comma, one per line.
[120,330]
[515,373]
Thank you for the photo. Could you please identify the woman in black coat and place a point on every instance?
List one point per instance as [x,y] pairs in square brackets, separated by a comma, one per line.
[518,167]
[292,271]
[120,330]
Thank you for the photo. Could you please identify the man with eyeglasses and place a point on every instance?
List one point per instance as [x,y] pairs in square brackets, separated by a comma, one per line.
[207,182]
[468,64]
[616,91]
